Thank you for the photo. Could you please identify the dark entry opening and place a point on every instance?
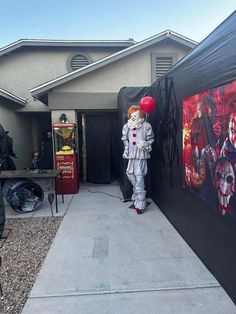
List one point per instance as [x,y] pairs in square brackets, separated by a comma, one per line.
[44,140]
[102,136]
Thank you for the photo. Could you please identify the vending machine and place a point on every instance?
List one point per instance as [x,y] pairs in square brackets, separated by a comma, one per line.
[66,156]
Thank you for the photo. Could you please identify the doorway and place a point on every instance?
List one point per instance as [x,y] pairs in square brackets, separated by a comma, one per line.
[99,147]
[43,141]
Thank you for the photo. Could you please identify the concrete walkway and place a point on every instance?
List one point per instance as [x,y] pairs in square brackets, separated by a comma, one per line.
[107,259]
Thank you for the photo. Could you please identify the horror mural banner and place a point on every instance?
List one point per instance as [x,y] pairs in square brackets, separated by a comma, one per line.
[209,147]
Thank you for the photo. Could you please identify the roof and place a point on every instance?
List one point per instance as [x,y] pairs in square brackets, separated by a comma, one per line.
[19,100]
[65,43]
[43,88]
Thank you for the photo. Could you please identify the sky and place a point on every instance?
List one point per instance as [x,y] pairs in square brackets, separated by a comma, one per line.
[109,20]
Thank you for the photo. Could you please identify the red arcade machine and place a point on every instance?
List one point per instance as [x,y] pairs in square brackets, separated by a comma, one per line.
[65,156]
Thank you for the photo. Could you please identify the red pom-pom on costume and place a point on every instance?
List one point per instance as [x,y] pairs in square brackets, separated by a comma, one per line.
[147,104]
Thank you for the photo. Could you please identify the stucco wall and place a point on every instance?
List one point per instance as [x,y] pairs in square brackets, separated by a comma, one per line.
[19,126]
[29,67]
[134,70]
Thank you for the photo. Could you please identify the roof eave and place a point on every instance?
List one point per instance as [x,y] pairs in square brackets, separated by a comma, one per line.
[16,99]
[183,40]
[65,43]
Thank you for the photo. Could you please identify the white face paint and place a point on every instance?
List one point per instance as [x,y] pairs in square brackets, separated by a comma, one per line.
[135,115]
[224,182]
[135,120]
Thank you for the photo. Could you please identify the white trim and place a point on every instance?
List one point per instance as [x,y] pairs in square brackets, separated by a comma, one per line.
[53,43]
[12,97]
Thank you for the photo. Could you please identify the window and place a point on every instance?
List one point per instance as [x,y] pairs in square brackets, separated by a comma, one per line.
[161,63]
[78,61]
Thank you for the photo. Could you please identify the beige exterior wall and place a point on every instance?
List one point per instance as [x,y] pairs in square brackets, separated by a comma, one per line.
[134,70]
[19,126]
[27,68]
[22,70]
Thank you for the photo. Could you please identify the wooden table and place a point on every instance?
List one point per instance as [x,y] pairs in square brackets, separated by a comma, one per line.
[33,174]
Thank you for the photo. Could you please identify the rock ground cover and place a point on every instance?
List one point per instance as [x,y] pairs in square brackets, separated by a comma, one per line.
[22,254]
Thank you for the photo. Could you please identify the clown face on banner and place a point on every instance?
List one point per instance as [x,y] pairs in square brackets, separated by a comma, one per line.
[209,147]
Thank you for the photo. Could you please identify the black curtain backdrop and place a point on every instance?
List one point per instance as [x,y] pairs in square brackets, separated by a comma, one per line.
[211,236]
[2,212]
[102,143]
[3,154]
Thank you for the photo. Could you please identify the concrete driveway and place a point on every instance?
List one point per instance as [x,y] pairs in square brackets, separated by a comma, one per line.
[106,259]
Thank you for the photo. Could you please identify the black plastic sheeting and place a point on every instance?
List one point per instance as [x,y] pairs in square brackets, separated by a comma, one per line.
[2,212]
[212,236]
[3,148]
[6,151]
[102,145]
[23,195]
[211,64]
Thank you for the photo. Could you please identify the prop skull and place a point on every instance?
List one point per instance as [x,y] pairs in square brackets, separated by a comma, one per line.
[224,181]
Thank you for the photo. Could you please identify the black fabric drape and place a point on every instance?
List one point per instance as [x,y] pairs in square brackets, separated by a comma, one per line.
[211,64]
[212,236]
[2,212]
[102,147]
[3,154]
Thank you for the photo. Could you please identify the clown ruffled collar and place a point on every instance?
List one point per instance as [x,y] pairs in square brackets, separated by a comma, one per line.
[135,124]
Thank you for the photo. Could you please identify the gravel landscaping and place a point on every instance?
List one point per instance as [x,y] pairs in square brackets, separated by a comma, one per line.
[23,253]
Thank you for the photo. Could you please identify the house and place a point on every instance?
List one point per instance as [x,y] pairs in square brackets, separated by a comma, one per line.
[41,79]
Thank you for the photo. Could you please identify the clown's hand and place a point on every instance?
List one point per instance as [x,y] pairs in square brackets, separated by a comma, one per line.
[143,145]
[125,154]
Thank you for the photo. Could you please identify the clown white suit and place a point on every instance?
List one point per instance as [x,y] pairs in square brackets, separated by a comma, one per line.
[137,136]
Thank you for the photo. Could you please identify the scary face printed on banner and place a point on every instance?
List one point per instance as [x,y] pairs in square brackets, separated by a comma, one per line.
[224,181]
[209,147]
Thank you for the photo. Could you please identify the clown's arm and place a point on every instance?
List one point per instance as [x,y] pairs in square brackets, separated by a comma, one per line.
[146,144]
[125,140]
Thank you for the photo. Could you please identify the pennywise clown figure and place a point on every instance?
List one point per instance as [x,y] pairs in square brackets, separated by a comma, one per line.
[137,136]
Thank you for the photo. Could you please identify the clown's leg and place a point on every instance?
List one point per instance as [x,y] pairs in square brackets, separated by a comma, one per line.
[140,201]
[132,179]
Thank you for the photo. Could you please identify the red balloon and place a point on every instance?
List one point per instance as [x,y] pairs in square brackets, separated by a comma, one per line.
[147,104]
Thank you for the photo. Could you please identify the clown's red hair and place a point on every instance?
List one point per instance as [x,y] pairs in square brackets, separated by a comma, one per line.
[134,108]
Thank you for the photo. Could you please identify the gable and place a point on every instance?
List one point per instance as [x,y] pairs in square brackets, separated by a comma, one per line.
[133,70]
[26,67]
[167,35]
